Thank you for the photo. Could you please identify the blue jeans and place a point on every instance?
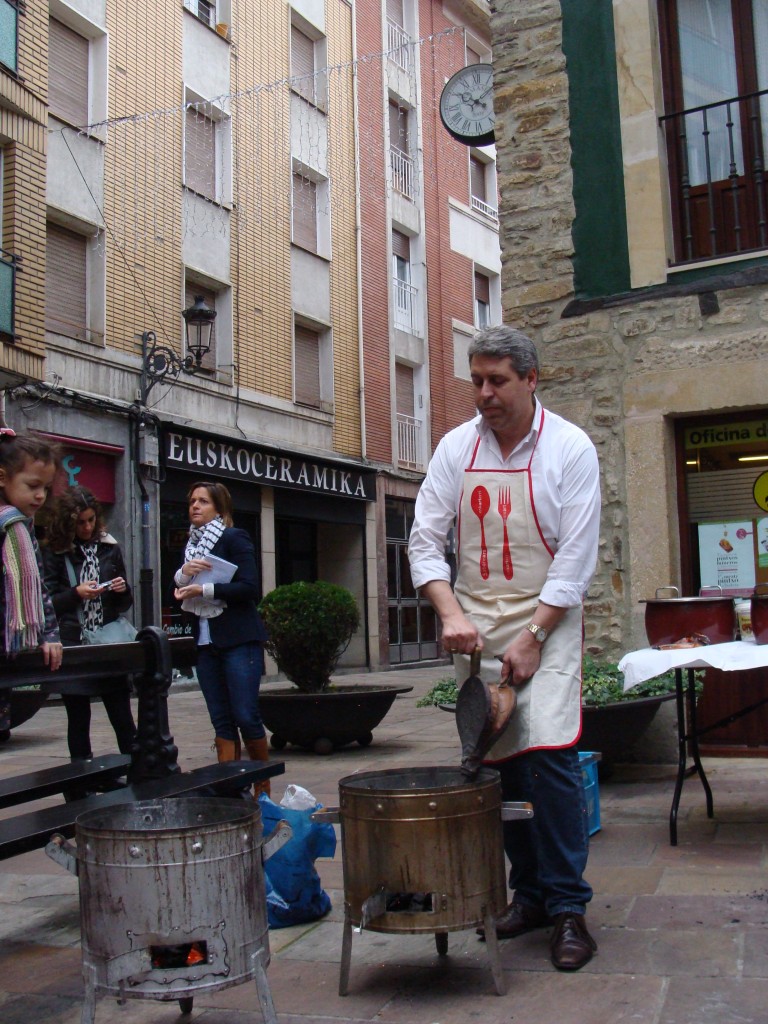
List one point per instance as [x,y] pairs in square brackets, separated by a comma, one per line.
[230,678]
[548,852]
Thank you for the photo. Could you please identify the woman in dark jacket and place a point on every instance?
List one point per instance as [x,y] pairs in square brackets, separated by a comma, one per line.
[229,631]
[79,557]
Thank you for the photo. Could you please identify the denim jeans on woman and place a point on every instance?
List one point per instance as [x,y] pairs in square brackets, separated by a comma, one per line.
[230,678]
[548,852]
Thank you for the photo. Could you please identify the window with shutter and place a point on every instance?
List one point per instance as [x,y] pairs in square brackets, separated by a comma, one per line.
[401,245]
[395,12]
[191,291]
[477,179]
[200,153]
[67,73]
[304,212]
[482,301]
[66,306]
[404,389]
[306,362]
[303,64]
[473,57]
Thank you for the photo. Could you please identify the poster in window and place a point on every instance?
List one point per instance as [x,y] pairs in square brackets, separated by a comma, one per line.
[727,556]
[762,543]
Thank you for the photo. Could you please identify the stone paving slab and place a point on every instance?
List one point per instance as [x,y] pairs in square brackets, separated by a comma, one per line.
[682,932]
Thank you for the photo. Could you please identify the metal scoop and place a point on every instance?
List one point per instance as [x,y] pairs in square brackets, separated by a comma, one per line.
[483,711]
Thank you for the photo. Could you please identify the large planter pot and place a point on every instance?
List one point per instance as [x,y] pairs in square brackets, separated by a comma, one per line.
[614,728]
[325,721]
[25,704]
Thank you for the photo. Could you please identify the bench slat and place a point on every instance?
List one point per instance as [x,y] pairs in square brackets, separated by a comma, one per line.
[32,830]
[21,789]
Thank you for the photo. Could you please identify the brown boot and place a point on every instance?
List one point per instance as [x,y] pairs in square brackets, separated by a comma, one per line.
[227,750]
[258,751]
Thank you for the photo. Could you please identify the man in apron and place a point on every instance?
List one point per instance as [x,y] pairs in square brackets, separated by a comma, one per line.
[522,485]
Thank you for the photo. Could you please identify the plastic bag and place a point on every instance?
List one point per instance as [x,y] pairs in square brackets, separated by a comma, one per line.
[295,893]
[298,799]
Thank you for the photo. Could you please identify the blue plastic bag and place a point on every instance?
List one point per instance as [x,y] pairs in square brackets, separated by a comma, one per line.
[295,893]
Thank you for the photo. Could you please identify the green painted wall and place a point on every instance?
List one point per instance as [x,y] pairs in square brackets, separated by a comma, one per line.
[601,254]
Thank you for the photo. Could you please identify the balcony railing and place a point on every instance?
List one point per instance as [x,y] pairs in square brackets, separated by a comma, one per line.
[401,169]
[716,163]
[9,34]
[486,209]
[398,45]
[408,441]
[406,296]
[7,293]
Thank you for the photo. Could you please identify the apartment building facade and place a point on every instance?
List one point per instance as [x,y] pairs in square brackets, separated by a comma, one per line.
[285,163]
[429,273]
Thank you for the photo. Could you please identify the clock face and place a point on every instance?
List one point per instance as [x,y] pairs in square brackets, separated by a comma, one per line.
[466,105]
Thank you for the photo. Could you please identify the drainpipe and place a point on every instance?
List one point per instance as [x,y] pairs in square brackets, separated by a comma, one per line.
[358,236]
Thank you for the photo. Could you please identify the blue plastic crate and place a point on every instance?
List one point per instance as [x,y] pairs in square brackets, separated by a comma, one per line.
[588,762]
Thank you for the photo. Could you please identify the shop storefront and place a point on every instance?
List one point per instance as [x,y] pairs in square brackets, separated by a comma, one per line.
[723,468]
[309,518]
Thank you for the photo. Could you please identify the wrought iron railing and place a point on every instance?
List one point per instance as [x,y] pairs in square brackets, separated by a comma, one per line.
[408,441]
[401,170]
[7,293]
[9,34]
[405,295]
[398,45]
[716,156]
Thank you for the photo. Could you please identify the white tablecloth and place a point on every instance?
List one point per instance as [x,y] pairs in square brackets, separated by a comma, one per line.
[638,666]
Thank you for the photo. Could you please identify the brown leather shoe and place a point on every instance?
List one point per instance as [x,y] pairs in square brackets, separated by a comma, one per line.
[518,919]
[571,944]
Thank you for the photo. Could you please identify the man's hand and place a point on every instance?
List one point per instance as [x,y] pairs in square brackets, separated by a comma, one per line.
[521,659]
[459,635]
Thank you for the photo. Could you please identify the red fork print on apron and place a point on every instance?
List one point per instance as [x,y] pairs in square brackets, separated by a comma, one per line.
[481,503]
[505,507]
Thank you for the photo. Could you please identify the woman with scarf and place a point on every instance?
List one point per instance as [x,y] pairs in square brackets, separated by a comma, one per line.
[27,468]
[229,631]
[80,556]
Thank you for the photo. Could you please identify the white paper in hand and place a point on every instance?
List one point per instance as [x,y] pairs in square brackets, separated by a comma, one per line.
[221,571]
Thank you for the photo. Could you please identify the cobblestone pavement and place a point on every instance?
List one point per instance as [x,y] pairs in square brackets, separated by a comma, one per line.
[681,931]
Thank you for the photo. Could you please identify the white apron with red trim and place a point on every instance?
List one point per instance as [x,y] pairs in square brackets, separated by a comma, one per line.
[503,564]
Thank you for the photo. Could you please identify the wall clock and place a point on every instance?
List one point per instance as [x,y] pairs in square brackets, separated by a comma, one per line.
[466,105]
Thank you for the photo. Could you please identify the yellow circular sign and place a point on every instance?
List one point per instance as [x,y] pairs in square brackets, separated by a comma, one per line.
[760,491]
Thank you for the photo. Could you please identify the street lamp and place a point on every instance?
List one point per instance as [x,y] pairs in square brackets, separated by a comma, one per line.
[160,363]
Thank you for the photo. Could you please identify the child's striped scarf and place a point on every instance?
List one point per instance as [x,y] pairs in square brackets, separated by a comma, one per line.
[24,615]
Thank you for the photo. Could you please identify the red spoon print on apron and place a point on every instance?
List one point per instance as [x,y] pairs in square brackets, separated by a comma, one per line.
[481,503]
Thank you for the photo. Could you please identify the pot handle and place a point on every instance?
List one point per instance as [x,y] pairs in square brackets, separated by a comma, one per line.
[62,852]
[327,814]
[659,590]
[710,586]
[515,810]
[280,835]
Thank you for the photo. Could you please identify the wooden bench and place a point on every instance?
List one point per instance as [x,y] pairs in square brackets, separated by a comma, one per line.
[46,781]
[152,769]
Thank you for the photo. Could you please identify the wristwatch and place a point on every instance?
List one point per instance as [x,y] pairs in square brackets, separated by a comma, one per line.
[539,632]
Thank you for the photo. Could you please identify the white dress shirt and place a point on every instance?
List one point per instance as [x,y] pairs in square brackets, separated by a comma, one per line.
[566,493]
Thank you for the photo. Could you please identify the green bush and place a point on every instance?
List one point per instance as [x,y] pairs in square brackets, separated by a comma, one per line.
[602,683]
[310,626]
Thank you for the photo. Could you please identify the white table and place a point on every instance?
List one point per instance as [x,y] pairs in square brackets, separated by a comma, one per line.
[646,663]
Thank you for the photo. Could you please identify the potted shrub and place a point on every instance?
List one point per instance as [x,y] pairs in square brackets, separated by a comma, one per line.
[310,626]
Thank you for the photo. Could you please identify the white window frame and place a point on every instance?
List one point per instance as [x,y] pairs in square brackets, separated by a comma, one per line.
[322,207]
[325,360]
[95,277]
[478,205]
[98,69]
[218,113]
[316,91]
[494,297]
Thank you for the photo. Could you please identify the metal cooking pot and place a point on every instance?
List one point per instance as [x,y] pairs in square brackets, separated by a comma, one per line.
[759,613]
[667,619]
